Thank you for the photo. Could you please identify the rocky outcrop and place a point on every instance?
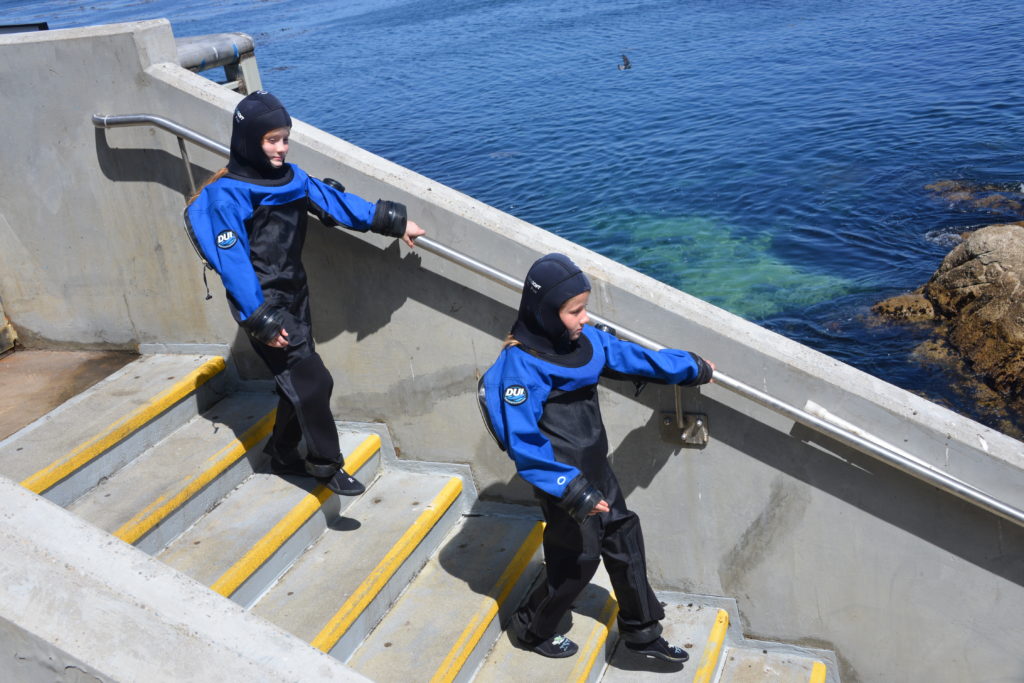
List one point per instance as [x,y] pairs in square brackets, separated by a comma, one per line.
[1004,198]
[976,298]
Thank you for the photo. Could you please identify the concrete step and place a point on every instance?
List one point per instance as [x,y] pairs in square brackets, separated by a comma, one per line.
[340,588]
[162,492]
[443,625]
[591,626]
[698,628]
[758,665]
[69,450]
[244,544]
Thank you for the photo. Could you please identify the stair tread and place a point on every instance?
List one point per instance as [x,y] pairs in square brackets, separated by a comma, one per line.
[592,612]
[687,625]
[216,542]
[95,411]
[758,665]
[160,473]
[312,591]
[213,545]
[443,602]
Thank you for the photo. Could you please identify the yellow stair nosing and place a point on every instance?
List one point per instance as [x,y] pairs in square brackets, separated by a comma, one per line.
[85,453]
[161,508]
[272,541]
[818,673]
[712,648]
[597,639]
[492,603]
[372,585]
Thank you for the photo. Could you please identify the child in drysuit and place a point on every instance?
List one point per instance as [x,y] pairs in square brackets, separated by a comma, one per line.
[249,224]
[540,398]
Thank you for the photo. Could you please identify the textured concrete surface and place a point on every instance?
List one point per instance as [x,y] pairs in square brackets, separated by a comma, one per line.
[36,382]
[110,612]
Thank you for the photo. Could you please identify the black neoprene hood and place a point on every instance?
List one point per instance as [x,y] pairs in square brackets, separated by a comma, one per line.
[551,281]
[256,114]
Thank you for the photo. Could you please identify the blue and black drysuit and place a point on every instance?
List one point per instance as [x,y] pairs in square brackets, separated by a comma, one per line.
[543,409]
[250,226]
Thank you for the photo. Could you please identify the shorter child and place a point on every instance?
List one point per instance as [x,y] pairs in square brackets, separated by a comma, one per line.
[540,398]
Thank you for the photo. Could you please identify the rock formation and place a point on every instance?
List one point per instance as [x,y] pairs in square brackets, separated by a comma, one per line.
[976,300]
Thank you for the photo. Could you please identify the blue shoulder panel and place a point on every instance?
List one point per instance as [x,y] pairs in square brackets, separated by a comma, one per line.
[516,387]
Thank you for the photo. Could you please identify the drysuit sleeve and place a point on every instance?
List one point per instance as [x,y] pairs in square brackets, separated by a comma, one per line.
[672,366]
[218,231]
[334,206]
[515,403]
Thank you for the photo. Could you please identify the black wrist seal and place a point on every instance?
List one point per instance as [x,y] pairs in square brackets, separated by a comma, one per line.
[389,219]
[704,371]
[265,323]
[579,498]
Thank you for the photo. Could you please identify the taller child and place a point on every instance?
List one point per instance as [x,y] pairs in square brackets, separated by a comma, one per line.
[249,223]
[541,403]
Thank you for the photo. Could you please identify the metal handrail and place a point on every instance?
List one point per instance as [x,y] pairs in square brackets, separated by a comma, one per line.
[873,447]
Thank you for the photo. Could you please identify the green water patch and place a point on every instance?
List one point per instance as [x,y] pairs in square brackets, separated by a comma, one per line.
[721,264]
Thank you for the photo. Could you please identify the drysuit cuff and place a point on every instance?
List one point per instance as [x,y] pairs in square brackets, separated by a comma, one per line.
[579,498]
[704,371]
[389,219]
[265,323]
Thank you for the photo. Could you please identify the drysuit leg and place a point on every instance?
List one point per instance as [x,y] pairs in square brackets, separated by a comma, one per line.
[625,559]
[304,386]
[571,557]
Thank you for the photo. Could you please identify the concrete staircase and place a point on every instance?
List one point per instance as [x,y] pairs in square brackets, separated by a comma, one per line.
[409,582]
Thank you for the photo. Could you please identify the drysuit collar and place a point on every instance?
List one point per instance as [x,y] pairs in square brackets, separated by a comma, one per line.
[256,114]
[552,280]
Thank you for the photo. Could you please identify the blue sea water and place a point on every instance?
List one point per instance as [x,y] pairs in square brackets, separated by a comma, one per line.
[769,156]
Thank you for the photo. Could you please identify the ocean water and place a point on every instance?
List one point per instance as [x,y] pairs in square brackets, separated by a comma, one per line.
[772,157]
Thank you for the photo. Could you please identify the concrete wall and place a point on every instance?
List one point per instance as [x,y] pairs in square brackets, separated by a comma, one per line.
[80,605]
[820,545]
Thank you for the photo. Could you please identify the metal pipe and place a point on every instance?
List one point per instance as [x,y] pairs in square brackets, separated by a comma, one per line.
[105,121]
[912,466]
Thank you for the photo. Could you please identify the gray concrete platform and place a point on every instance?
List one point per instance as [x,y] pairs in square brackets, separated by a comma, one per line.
[755,665]
[35,382]
[107,409]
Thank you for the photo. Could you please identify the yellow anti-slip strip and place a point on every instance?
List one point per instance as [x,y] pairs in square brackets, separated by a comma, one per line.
[817,673]
[234,577]
[496,597]
[597,638]
[709,658]
[157,511]
[386,568]
[50,475]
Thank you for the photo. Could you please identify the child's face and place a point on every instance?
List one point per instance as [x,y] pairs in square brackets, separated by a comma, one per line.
[574,314]
[275,146]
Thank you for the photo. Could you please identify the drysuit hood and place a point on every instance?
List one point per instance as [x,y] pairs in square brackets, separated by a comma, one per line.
[256,114]
[551,281]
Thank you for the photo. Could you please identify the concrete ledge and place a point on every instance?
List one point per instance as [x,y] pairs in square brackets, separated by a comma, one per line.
[83,600]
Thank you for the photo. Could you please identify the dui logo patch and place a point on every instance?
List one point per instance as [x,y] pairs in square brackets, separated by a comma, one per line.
[515,394]
[226,239]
